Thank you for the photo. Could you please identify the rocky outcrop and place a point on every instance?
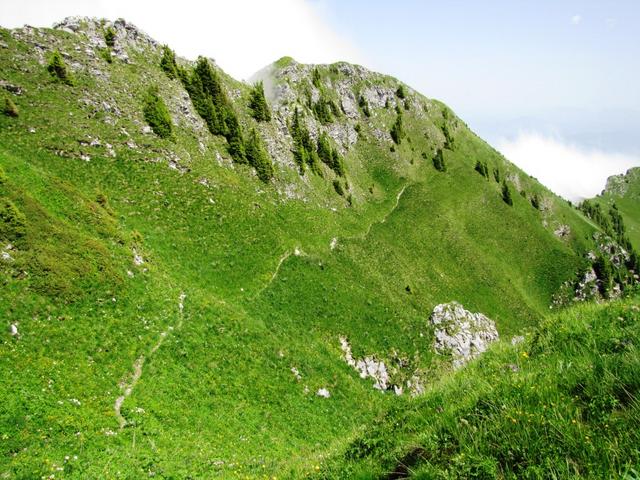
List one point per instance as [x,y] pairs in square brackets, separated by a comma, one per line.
[367,367]
[618,185]
[460,333]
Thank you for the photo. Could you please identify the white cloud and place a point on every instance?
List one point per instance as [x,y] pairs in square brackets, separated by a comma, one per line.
[242,35]
[576,19]
[568,170]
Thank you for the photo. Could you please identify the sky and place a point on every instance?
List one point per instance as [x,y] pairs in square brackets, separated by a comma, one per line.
[553,84]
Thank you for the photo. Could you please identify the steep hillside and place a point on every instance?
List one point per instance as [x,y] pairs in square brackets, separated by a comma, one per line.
[175,286]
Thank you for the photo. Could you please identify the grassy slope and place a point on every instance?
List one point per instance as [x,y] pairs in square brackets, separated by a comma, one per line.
[628,203]
[218,397]
[562,404]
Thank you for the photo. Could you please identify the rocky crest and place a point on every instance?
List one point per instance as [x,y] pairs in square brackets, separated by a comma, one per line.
[618,184]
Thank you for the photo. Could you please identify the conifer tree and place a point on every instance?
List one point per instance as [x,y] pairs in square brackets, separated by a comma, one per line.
[401,93]
[506,194]
[156,113]
[258,104]
[234,137]
[482,168]
[604,271]
[110,37]
[258,157]
[324,148]
[397,130]
[168,62]
[10,108]
[364,106]
[438,161]
[58,69]
[304,151]
[338,187]
[535,201]
[315,78]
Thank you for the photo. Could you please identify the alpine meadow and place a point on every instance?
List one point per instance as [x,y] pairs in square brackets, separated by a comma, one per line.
[319,273]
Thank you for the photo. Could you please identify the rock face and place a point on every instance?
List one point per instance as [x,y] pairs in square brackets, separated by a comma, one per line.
[618,184]
[463,334]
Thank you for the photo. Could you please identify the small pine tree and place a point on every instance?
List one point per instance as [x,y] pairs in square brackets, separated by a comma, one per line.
[323,110]
[315,78]
[13,224]
[496,174]
[234,137]
[105,53]
[58,69]
[397,130]
[258,104]
[338,187]
[364,106]
[258,157]
[604,271]
[336,163]
[156,113]
[482,168]
[329,155]
[110,37]
[401,93]
[448,138]
[10,109]
[324,148]
[438,161]
[168,62]
[633,262]
[535,201]
[506,194]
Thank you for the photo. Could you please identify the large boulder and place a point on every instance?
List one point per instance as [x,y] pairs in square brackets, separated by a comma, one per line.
[460,333]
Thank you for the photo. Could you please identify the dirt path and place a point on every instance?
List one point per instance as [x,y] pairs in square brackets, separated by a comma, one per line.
[384,219]
[127,385]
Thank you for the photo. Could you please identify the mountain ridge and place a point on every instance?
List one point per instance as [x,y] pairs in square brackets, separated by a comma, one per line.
[117,222]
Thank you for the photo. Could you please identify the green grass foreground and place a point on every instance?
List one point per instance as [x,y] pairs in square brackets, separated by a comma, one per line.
[562,404]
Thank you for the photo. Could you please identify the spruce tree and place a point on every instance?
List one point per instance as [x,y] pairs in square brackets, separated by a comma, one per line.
[506,194]
[324,148]
[258,157]
[58,69]
[304,151]
[156,113]
[110,37]
[604,271]
[364,106]
[535,201]
[10,108]
[401,93]
[448,138]
[323,110]
[336,163]
[168,62]
[482,168]
[315,78]
[438,161]
[258,104]
[338,187]
[234,137]
[397,130]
